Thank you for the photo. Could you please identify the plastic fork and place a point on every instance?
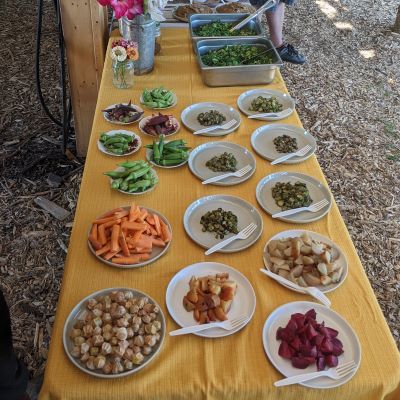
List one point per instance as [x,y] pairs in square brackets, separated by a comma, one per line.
[300,153]
[228,325]
[225,126]
[313,208]
[334,373]
[243,234]
[241,172]
[311,290]
[282,114]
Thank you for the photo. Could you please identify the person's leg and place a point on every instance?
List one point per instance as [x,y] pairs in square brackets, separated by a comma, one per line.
[275,24]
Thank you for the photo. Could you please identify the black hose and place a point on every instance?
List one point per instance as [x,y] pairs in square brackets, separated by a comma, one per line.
[66,105]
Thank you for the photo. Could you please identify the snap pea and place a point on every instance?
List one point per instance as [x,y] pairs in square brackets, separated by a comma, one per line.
[157,98]
[168,153]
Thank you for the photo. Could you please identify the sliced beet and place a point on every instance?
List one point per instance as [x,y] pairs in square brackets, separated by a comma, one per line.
[291,326]
[298,318]
[311,314]
[295,343]
[331,361]
[327,346]
[285,351]
[321,363]
[337,347]
[300,362]
[279,333]
[287,335]
[317,340]
[157,120]
[328,332]
[311,332]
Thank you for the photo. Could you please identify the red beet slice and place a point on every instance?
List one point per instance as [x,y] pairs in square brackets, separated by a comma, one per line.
[321,363]
[328,332]
[331,361]
[337,347]
[311,313]
[311,332]
[291,326]
[295,343]
[279,333]
[300,362]
[298,318]
[287,335]
[285,351]
[317,340]
[157,120]
[327,346]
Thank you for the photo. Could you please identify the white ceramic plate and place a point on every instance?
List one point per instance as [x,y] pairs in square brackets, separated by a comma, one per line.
[244,302]
[80,307]
[245,99]
[149,153]
[112,133]
[175,101]
[189,117]
[155,254]
[201,154]
[105,115]
[317,190]
[262,141]
[143,122]
[281,316]
[152,171]
[244,211]
[337,251]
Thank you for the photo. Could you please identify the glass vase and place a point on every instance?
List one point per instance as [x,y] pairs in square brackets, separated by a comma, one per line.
[123,73]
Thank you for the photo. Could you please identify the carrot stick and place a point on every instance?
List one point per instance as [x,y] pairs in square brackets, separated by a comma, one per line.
[157,224]
[95,243]
[135,226]
[165,233]
[112,223]
[104,220]
[145,241]
[102,235]
[158,242]
[150,219]
[114,238]
[151,230]
[140,250]
[123,244]
[133,213]
[110,254]
[131,260]
[121,214]
[143,214]
[112,212]
[103,250]
[93,231]
[137,235]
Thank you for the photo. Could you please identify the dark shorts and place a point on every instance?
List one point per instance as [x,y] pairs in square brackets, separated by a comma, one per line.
[259,3]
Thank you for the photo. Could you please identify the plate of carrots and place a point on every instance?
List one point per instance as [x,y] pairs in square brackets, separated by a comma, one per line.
[130,237]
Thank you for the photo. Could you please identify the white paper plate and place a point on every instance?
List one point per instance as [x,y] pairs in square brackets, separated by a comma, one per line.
[155,254]
[175,102]
[112,133]
[80,307]
[189,117]
[317,190]
[143,122]
[201,154]
[105,115]
[245,99]
[244,211]
[262,141]
[281,316]
[339,256]
[244,302]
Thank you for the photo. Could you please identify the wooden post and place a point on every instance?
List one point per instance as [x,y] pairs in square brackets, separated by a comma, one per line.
[396,26]
[85,33]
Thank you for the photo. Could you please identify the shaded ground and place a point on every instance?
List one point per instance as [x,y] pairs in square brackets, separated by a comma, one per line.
[348,97]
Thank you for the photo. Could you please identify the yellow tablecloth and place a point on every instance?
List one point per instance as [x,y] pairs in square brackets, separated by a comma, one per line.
[191,367]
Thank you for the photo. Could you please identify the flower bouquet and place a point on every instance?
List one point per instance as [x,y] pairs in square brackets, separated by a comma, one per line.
[123,53]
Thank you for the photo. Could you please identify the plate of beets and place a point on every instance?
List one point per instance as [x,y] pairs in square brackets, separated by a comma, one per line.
[160,124]
[123,114]
[303,337]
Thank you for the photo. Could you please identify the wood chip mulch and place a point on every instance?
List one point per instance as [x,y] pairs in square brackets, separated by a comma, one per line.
[347,96]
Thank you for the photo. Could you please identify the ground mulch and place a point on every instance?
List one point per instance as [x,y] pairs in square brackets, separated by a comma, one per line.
[347,96]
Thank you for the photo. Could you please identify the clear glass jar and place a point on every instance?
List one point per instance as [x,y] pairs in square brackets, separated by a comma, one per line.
[157,46]
[123,74]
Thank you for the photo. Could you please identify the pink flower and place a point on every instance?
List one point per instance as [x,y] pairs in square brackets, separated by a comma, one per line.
[135,7]
[120,7]
[104,2]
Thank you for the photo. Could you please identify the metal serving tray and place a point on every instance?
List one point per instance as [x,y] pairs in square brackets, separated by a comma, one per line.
[238,75]
[197,20]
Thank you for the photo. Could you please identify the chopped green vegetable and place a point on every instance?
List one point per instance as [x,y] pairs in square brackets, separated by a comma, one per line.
[224,163]
[288,196]
[219,222]
[285,144]
[212,117]
[236,55]
[266,104]
[218,28]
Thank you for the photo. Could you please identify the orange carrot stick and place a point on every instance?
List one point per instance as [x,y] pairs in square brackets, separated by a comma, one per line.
[136,236]
[151,230]
[158,242]
[121,214]
[145,241]
[140,250]
[93,231]
[102,235]
[109,224]
[114,238]
[131,260]
[165,233]
[135,226]
[95,243]
[103,250]
[122,243]
[143,214]
[112,212]
[157,224]
[110,254]
[150,219]
[133,213]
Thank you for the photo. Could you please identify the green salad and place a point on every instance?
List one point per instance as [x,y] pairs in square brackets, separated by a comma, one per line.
[219,28]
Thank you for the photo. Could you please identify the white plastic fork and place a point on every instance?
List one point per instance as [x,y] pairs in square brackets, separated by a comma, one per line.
[334,373]
[241,172]
[281,114]
[243,234]
[229,325]
[225,126]
[313,208]
[299,153]
[311,290]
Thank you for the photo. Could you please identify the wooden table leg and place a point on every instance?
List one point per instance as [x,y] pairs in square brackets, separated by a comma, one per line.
[86,34]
